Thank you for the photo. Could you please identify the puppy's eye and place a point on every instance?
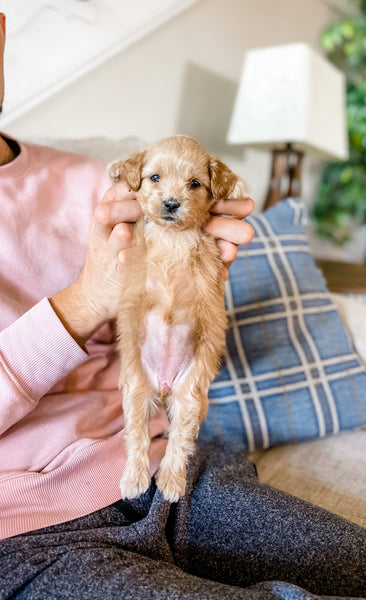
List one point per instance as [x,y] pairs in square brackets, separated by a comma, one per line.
[155,178]
[194,184]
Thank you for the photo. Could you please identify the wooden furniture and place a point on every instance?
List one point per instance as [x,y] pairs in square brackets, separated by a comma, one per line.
[345,278]
[285,175]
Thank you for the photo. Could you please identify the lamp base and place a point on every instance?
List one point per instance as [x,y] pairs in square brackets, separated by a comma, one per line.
[285,175]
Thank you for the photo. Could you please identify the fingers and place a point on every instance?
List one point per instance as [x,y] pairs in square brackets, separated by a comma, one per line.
[231,233]
[108,214]
[230,230]
[121,237]
[118,207]
[237,208]
[228,252]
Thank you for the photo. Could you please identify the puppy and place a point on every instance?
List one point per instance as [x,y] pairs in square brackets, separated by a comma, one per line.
[172,319]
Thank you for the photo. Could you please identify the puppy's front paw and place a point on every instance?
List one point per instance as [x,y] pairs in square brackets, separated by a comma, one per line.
[171,483]
[134,482]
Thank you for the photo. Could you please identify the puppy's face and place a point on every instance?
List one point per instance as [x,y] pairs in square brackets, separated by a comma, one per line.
[176,181]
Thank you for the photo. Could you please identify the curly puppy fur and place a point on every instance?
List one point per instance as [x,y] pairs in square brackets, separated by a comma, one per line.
[172,319]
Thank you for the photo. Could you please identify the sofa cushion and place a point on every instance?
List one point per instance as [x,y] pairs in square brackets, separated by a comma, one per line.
[289,371]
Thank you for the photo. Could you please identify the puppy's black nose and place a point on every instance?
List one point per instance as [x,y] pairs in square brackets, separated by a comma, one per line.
[171,205]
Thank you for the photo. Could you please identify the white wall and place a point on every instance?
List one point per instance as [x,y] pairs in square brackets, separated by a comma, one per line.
[182,78]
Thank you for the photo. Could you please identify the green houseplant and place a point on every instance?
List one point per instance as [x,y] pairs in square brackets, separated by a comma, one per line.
[341,203]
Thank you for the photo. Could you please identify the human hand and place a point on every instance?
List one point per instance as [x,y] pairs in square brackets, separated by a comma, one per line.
[231,233]
[110,234]
[94,297]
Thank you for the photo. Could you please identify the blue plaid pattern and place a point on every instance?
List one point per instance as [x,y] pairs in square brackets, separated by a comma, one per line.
[289,371]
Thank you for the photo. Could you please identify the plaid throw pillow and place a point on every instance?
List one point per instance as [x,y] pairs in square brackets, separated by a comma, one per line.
[289,371]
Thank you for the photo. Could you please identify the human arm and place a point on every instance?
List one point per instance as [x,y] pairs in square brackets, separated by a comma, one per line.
[36,351]
[93,299]
[45,344]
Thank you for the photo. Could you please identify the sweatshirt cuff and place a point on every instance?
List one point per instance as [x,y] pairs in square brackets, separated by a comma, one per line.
[39,351]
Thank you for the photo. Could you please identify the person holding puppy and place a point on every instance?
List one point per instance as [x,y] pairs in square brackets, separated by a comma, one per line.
[65,532]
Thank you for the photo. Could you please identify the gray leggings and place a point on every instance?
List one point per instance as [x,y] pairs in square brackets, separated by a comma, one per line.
[230,537]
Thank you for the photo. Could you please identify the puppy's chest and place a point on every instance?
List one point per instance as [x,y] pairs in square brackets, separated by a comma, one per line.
[167,330]
[171,295]
[166,350]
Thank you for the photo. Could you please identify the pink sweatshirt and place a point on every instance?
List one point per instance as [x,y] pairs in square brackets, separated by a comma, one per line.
[61,423]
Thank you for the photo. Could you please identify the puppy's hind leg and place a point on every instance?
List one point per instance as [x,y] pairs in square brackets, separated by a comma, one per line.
[137,400]
[188,406]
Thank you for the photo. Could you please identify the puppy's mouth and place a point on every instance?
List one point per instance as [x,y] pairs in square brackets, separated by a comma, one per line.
[170,218]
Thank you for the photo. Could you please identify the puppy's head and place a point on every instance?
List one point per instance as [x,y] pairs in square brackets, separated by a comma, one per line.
[177,181]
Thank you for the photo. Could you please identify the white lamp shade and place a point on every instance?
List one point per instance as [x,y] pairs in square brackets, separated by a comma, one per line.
[290,94]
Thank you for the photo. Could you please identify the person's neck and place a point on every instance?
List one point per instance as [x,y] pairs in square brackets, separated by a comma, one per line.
[6,153]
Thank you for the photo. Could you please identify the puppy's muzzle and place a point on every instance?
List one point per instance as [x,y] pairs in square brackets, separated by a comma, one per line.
[171,205]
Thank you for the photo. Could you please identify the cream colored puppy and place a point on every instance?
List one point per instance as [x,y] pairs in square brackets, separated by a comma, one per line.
[172,319]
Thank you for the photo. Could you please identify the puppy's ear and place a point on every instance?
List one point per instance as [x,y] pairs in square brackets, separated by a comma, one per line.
[128,170]
[224,183]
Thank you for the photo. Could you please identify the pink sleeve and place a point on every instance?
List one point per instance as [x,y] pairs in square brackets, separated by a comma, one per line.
[36,352]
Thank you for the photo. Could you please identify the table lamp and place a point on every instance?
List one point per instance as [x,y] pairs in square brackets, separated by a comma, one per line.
[291,101]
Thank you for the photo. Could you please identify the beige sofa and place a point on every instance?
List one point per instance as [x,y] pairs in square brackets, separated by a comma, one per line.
[328,472]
